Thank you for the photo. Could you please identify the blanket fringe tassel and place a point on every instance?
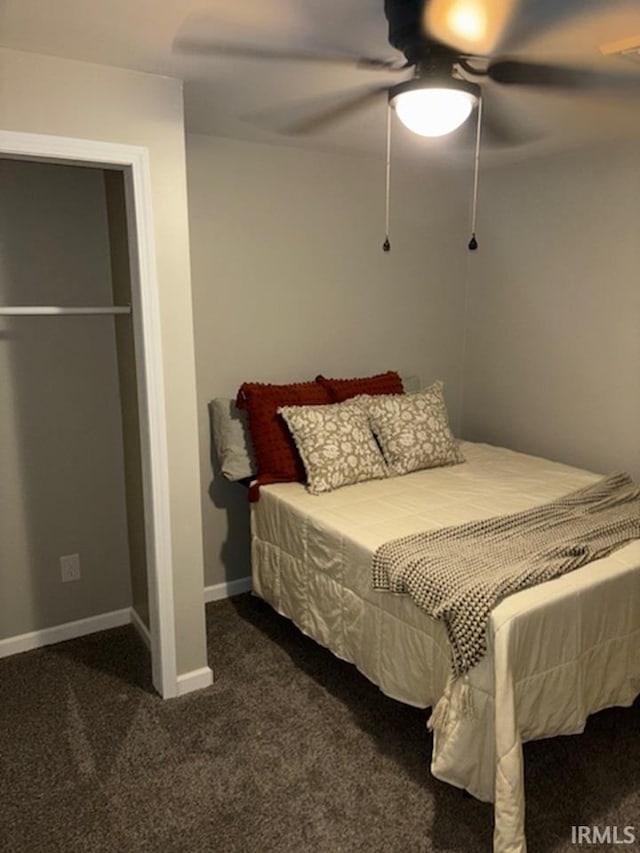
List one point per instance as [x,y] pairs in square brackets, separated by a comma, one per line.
[439,719]
[466,699]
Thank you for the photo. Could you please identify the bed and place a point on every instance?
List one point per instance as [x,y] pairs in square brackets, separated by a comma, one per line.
[556,652]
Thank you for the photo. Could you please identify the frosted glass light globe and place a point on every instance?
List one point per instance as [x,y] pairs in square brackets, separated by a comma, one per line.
[433,111]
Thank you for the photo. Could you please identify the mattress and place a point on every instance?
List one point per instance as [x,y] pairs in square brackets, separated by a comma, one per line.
[557,652]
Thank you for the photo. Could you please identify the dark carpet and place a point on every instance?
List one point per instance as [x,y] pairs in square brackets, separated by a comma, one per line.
[289,750]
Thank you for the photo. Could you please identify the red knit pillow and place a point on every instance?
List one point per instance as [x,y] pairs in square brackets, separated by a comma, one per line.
[381,383]
[276,455]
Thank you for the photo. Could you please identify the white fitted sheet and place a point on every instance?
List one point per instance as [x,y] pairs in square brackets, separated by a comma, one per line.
[557,652]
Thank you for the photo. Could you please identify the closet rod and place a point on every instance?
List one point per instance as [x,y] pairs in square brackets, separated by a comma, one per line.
[54,310]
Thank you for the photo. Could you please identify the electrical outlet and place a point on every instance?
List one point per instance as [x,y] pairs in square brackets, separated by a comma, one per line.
[70,568]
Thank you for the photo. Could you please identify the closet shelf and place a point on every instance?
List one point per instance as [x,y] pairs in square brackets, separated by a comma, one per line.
[55,310]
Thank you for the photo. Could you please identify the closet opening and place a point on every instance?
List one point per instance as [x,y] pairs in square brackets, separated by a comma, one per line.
[84,528]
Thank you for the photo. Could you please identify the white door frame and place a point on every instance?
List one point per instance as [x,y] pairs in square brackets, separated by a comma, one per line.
[133,161]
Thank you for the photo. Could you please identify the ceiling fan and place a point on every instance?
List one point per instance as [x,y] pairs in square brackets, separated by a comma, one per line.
[448,48]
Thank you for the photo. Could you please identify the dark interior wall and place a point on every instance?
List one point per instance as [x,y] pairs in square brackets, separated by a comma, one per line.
[61,455]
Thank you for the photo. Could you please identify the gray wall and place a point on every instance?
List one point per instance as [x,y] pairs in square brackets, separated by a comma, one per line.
[61,455]
[553,321]
[289,280]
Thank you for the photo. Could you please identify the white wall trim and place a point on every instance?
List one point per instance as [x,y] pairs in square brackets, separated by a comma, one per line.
[134,162]
[67,631]
[141,628]
[195,680]
[225,590]
[151,404]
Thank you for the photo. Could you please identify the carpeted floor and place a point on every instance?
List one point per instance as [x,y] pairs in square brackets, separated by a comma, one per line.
[289,750]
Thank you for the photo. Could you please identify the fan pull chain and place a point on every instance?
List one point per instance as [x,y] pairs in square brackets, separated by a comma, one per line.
[473,243]
[386,246]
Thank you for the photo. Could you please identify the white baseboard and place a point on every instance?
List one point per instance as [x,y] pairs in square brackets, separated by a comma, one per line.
[225,590]
[67,631]
[186,683]
[140,627]
[195,680]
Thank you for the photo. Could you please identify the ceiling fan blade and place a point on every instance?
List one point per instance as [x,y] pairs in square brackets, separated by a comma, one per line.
[472,26]
[336,112]
[514,72]
[244,51]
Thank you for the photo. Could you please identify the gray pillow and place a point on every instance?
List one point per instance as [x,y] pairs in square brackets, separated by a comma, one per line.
[231,440]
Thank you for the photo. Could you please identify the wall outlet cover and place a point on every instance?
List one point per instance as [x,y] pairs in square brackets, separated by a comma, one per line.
[70,568]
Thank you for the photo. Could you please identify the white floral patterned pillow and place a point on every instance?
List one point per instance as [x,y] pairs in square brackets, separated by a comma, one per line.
[335,443]
[413,429]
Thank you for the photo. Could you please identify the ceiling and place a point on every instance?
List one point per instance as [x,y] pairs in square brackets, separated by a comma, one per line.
[254,99]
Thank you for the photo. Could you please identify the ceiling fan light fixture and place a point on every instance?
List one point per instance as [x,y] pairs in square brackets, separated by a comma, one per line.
[433,107]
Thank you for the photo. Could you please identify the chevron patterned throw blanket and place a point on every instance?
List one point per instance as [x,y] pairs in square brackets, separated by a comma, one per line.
[459,574]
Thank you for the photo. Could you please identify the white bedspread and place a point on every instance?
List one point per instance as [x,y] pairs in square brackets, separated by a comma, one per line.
[557,652]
